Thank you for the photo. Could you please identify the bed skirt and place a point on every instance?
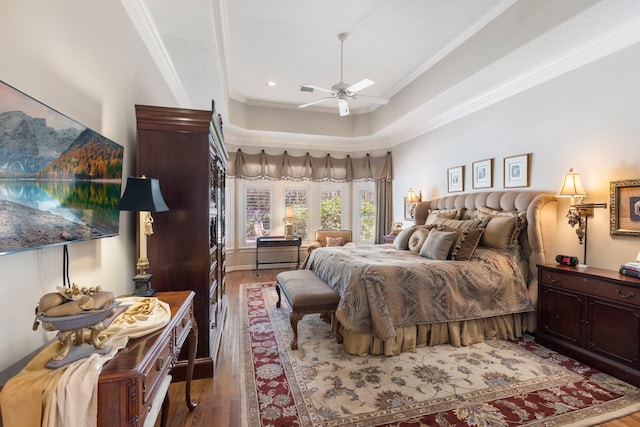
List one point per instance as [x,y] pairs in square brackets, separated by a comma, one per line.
[408,338]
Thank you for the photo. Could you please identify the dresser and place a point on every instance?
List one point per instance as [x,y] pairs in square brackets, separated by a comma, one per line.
[132,384]
[591,315]
[184,149]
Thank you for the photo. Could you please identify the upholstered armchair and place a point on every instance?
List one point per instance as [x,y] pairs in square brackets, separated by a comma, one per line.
[321,239]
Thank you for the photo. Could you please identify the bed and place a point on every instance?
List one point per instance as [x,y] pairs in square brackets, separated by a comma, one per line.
[396,297]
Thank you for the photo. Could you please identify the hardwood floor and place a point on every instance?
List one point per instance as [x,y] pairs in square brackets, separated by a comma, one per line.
[218,398]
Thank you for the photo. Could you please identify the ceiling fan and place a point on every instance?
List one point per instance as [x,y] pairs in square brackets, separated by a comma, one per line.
[343,91]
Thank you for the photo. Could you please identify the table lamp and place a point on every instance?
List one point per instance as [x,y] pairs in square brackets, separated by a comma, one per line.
[289,219]
[143,195]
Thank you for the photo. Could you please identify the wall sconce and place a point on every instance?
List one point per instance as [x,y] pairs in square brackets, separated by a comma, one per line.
[143,195]
[579,212]
[289,219]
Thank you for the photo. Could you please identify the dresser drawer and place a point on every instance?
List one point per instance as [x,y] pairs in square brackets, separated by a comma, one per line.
[183,326]
[157,370]
[592,286]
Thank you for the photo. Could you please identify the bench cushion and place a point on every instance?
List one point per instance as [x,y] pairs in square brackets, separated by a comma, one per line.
[304,290]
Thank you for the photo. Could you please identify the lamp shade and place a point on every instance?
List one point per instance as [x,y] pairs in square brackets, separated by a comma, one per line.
[290,214]
[142,195]
[411,196]
[571,186]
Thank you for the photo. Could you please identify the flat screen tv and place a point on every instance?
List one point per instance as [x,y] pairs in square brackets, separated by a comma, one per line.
[59,180]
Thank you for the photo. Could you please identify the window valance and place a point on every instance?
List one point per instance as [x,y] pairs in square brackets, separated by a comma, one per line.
[328,168]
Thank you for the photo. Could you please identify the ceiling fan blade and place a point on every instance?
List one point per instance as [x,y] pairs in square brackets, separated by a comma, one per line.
[362,84]
[372,99]
[317,101]
[311,88]
[343,106]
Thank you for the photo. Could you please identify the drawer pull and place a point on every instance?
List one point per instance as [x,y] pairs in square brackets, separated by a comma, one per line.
[621,295]
[159,364]
[554,280]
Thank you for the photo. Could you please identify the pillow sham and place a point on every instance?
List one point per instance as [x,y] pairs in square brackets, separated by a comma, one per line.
[402,239]
[438,244]
[442,213]
[461,223]
[502,230]
[417,239]
[335,241]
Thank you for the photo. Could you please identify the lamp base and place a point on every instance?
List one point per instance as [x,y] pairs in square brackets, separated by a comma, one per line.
[143,285]
[288,231]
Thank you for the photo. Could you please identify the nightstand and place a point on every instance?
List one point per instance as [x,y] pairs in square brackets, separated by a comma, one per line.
[389,238]
[591,315]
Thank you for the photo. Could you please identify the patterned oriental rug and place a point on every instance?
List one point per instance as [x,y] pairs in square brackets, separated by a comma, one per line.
[495,383]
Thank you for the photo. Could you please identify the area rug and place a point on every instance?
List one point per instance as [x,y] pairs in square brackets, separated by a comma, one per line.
[495,383]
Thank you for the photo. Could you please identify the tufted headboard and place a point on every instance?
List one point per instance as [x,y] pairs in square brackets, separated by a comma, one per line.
[541,208]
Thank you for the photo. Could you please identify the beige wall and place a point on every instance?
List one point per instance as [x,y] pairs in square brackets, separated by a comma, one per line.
[586,119]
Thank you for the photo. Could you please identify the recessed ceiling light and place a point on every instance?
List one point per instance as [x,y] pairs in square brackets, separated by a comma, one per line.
[271,83]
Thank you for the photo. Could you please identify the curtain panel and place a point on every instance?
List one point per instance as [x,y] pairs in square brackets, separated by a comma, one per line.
[308,168]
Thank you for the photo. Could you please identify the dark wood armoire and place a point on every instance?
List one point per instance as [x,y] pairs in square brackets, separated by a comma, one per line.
[184,149]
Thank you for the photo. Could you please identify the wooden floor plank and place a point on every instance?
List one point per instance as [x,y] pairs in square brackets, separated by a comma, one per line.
[218,398]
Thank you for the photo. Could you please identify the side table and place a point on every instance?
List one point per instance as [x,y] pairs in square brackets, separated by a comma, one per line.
[389,238]
[591,315]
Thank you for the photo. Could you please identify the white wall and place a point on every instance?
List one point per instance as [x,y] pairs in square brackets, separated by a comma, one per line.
[68,54]
[586,119]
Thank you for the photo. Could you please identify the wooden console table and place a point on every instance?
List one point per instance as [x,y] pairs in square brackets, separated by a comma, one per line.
[277,242]
[131,380]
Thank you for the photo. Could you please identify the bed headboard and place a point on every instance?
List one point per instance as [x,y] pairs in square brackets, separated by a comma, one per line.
[538,243]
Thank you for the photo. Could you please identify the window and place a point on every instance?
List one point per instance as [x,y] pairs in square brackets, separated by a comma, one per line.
[331,209]
[299,199]
[257,214]
[366,215]
[318,205]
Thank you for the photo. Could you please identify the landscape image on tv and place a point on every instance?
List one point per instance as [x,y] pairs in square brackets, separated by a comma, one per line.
[59,181]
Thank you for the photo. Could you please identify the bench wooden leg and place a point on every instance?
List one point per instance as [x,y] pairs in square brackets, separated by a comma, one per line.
[295,318]
[279,295]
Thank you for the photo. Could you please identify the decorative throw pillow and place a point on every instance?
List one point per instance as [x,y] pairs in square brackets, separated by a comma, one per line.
[467,240]
[438,244]
[335,241]
[443,213]
[417,239]
[402,239]
[461,223]
[502,230]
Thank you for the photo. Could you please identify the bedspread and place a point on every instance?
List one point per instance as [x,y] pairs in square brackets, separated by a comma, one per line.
[382,288]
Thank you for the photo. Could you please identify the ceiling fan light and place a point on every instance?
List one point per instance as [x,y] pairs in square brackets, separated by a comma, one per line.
[343,106]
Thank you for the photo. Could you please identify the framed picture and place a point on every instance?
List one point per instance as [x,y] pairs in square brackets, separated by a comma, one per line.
[483,174]
[409,208]
[516,171]
[625,208]
[455,179]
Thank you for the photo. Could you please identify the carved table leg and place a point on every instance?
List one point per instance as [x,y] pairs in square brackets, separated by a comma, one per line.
[193,344]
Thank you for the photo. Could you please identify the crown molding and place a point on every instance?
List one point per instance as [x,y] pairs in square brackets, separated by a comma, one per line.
[143,23]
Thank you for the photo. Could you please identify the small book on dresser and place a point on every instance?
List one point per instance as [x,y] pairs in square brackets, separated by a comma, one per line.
[631,269]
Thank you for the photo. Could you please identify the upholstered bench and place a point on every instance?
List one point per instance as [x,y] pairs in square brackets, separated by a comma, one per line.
[306,293]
